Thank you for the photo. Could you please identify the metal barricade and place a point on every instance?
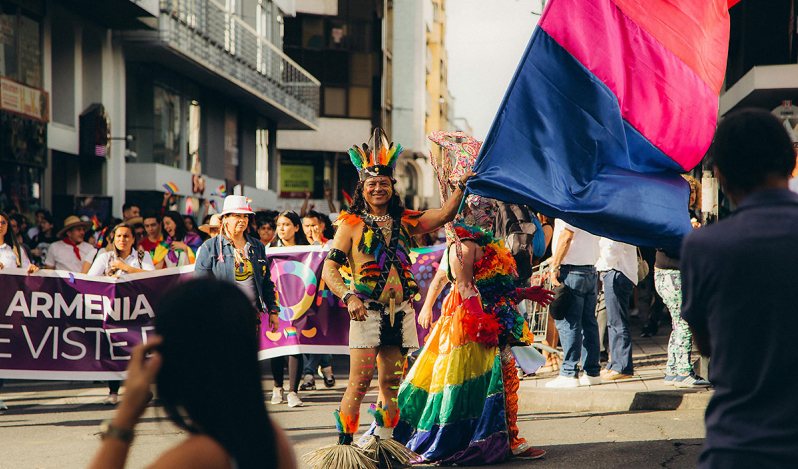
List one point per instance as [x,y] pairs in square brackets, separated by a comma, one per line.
[537,315]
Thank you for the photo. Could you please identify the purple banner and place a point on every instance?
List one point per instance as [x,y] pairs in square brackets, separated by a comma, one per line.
[312,319]
[57,325]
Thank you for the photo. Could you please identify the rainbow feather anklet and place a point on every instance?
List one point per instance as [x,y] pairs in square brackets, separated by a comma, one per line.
[381,446]
[343,455]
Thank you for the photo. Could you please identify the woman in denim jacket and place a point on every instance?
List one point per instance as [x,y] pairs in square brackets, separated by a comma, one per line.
[237,258]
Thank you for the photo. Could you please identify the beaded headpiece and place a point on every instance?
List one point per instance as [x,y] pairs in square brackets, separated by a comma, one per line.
[377,160]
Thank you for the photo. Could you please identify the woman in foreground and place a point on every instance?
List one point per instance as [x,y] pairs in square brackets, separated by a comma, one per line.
[214,393]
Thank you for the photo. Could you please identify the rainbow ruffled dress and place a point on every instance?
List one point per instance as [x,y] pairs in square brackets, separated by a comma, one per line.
[459,401]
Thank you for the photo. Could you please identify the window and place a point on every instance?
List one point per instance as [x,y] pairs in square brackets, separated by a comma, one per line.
[262,158]
[334,101]
[166,127]
[63,65]
[360,102]
[21,49]
[263,20]
[193,134]
[230,26]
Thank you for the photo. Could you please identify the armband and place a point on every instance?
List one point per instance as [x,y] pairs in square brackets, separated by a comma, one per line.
[337,256]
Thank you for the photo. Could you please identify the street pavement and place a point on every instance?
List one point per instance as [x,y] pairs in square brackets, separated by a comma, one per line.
[646,390]
[639,424]
[55,425]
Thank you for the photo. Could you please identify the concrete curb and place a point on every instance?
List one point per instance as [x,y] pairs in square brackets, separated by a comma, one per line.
[593,400]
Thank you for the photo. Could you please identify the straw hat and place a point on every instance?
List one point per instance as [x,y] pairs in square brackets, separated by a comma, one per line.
[215,222]
[72,222]
[236,204]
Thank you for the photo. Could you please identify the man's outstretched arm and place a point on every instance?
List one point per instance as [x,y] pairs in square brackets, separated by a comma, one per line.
[433,219]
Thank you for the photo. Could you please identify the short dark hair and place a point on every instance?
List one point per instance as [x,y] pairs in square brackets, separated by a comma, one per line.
[314,214]
[152,214]
[749,145]
[262,218]
[127,207]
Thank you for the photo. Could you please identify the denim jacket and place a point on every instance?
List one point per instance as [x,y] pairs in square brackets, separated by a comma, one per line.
[208,264]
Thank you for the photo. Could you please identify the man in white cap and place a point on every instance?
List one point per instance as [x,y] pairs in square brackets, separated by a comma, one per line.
[71,253]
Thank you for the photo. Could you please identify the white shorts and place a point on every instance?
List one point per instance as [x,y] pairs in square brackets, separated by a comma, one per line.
[377,331]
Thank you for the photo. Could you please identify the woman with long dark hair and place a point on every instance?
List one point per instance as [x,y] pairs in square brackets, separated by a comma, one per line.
[122,258]
[289,234]
[289,231]
[12,255]
[183,244]
[214,393]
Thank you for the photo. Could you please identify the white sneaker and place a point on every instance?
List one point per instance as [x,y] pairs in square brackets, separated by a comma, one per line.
[3,406]
[277,396]
[587,380]
[293,400]
[112,399]
[564,382]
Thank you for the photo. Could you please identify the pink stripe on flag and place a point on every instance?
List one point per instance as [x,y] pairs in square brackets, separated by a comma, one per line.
[658,94]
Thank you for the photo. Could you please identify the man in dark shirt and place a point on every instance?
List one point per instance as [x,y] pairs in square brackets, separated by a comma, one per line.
[740,287]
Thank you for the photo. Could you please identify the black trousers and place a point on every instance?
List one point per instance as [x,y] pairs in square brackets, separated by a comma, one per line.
[294,371]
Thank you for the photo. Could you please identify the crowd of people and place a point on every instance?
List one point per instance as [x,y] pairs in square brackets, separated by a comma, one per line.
[150,238]
[422,414]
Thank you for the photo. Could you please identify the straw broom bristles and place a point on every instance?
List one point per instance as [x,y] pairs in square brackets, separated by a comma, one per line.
[340,457]
[392,452]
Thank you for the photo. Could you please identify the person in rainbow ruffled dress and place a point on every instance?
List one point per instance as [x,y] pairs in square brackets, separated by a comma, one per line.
[459,401]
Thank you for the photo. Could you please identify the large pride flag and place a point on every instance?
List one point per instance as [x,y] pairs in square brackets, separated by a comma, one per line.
[611,101]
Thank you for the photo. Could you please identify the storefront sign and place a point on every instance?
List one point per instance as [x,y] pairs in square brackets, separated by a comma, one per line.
[24,100]
[295,180]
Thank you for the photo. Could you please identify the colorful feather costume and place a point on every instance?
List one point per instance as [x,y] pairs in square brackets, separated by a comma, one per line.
[370,278]
[372,242]
[459,401]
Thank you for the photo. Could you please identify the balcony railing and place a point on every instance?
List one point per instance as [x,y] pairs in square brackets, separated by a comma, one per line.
[206,31]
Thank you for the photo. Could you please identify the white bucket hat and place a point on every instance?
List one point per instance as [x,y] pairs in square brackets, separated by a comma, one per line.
[236,204]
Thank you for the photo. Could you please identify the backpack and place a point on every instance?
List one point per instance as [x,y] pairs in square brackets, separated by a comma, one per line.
[520,228]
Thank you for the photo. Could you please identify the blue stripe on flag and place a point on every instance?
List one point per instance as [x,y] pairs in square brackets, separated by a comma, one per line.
[560,145]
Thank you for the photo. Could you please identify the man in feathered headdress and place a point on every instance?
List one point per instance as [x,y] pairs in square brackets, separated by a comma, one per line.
[373,238]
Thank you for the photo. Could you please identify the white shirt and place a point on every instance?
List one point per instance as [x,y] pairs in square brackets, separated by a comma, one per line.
[584,249]
[9,259]
[618,256]
[104,259]
[61,256]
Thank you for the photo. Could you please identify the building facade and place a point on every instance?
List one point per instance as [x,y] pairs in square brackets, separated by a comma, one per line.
[762,72]
[347,45]
[143,93]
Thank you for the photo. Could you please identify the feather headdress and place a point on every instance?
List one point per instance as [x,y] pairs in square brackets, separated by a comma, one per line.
[376,160]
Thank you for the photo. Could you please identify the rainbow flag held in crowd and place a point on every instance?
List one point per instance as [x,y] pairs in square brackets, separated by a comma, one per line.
[347,200]
[611,101]
[221,191]
[170,187]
